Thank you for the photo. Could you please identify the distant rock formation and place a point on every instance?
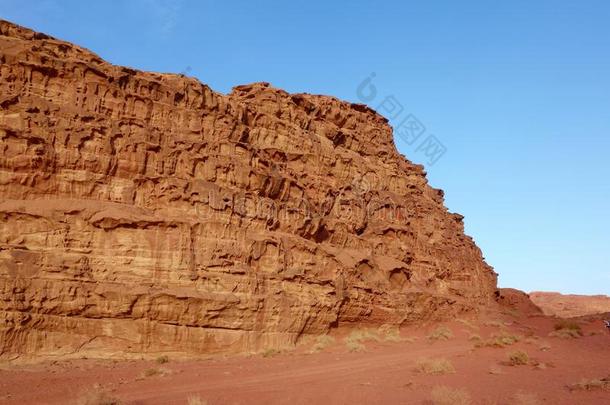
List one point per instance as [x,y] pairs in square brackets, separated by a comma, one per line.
[570,305]
[143,212]
[517,301]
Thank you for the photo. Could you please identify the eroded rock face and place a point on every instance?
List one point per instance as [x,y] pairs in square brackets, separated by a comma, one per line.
[143,212]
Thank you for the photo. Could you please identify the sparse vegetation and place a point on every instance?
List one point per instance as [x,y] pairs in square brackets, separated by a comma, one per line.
[97,396]
[524,398]
[322,342]
[566,334]
[567,324]
[196,400]
[468,324]
[591,385]
[495,324]
[364,335]
[162,359]
[475,338]
[434,366]
[518,358]
[566,329]
[544,346]
[354,346]
[499,340]
[390,333]
[270,352]
[442,395]
[151,372]
[440,333]
[354,341]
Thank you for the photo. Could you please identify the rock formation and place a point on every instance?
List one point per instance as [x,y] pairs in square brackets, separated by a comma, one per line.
[144,212]
[570,305]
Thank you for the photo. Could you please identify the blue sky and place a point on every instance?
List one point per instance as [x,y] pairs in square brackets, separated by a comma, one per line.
[518,92]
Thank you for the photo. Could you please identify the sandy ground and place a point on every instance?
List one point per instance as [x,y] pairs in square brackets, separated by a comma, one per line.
[384,372]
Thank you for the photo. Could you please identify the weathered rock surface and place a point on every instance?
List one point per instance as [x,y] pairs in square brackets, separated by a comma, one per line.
[143,212]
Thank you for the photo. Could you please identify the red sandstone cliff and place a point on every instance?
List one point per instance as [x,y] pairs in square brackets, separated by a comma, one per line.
[144,212]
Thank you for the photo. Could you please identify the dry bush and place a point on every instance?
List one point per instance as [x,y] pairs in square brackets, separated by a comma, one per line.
[434,366]
[495,324]
[566,333]
[150,372]
[270,352]
[354,341]
[97,396]
[475,338]
[524,398]
[499,340]
[322,342]
[567,324]
[390,333]
[518,358]
[567,329]
[591,385]
[153,372]
[442,395]
[544,346]
[364,335]
[196,400]
[468,323]
[354,346]
[162,359]
[440,333]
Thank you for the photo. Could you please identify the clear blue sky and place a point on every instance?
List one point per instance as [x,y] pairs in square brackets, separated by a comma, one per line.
[518,92]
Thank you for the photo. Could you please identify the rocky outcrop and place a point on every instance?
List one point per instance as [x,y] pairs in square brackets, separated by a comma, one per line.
[570,305]
[144,212]
[517,302]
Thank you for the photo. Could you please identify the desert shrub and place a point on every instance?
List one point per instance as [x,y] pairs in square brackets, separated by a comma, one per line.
[499,340]
[97,396]
[442,395]
[566,333]
[363,335]
[567,324]
[544,346]
[196,400]
[151,372]
[524,398]
[440,333]
[468,324]
[162,359]
[354,341]
[518,358]
[495,324]
[591,385]
[322,342]
[390,333]
[434,366]
[354,346]
[566,329]
[270,352]
[475,338]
